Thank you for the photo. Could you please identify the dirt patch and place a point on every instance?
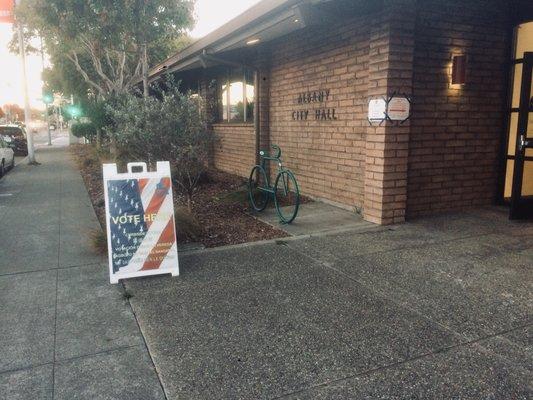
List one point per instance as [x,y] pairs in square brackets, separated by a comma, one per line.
[219,208]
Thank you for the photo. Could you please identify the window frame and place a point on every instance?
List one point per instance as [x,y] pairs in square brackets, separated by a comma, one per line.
[226,81]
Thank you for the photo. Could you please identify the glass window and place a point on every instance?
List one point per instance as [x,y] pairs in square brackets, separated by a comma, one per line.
[250,95]
[237,96]
[236,101]
[224,102]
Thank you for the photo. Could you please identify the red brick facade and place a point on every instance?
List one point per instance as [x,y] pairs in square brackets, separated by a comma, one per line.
[390,72]
[446,157]
[327,156]
[456,132]
[234,148]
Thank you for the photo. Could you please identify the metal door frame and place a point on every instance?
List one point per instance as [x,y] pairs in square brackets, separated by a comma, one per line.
[522,208]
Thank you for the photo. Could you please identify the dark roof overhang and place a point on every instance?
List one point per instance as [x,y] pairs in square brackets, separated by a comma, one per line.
[266,21]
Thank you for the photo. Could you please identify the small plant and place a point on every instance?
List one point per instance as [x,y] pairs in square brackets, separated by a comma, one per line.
[187,227]
[99,241]
[238,196]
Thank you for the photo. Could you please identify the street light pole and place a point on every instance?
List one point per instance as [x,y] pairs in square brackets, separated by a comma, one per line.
[27,112]
[48,126]
[46,100]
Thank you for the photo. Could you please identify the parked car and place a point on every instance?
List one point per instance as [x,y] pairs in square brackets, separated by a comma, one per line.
[17,134]
[7,155]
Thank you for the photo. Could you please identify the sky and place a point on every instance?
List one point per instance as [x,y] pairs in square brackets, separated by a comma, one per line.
[210,14]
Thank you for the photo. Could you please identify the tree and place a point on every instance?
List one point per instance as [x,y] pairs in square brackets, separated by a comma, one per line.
[2,114]
[13,112]
[107,41]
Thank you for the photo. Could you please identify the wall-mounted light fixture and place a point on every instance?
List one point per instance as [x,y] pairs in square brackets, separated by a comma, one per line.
[459,69]
[253,41]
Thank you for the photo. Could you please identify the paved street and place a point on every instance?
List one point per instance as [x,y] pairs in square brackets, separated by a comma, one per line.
[437,308]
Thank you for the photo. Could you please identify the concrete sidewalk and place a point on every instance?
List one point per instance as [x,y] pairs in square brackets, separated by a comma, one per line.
[65,333]
[436,309]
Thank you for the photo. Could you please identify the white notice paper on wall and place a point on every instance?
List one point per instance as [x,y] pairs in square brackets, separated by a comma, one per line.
[377,110]
[399,109]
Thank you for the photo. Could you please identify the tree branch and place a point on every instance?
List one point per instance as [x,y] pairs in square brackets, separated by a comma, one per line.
[74,58]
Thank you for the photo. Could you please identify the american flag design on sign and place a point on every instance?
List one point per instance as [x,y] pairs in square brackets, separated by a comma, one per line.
[141,224]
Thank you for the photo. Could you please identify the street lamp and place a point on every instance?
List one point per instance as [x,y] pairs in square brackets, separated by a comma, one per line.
[74,111]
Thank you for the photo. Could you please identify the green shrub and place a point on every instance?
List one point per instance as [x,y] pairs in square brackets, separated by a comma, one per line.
[99,241]
[170,126]
[85,130]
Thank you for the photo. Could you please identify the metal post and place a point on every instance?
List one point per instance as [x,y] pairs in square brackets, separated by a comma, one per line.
[48,124]
[45,104]
[27,112]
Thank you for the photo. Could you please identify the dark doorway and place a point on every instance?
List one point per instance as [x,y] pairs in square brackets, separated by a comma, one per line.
[522,178]
[518,183]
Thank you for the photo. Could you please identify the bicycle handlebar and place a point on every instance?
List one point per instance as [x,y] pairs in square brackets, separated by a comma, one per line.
[266,156]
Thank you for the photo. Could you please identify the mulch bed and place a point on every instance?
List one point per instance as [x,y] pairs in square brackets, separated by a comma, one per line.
[219,206]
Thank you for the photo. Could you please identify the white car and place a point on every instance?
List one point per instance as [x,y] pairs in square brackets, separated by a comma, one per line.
[7,155]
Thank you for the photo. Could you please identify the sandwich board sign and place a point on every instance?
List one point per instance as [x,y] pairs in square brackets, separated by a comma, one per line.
[141,232]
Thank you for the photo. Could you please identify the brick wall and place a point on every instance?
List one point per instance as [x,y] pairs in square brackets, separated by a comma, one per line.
[455,132]
[446,157]
[234,148]
[328,157]
[390,72]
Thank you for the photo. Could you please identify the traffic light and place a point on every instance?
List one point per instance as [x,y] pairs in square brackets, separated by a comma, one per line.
[74,111]
[48,98]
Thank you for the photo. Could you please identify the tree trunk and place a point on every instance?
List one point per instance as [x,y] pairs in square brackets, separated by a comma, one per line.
[98,138]
[145,69]
[189,202]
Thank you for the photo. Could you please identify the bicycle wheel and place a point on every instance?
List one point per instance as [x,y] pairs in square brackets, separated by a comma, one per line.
[257,188]
[287,196]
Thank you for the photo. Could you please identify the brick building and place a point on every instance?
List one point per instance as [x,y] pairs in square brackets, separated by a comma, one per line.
[301,74]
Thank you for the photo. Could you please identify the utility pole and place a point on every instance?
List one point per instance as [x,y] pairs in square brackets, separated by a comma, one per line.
[45,100]
[27,112]
[48,126]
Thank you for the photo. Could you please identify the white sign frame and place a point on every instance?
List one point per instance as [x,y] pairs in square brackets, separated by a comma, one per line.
[399,108]
[110,173]
[377,110]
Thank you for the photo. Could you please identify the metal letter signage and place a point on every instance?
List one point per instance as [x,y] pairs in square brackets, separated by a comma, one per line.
[319,114]
[141,235]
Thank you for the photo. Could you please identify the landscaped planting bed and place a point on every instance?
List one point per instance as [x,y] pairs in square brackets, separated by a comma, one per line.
[219,212]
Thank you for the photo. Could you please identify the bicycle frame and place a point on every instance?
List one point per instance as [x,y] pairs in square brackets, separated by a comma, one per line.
[282,185]
[265,157]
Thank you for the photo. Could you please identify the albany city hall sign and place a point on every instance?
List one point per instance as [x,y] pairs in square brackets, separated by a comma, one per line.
[317,99]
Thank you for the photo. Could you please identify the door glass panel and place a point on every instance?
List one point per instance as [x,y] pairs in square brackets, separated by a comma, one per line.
[529,134]
[517,85]
[524,39]
[527,180]
[512,134]
[509,179]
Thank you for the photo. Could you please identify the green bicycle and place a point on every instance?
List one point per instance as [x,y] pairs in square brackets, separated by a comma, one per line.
[285,191]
